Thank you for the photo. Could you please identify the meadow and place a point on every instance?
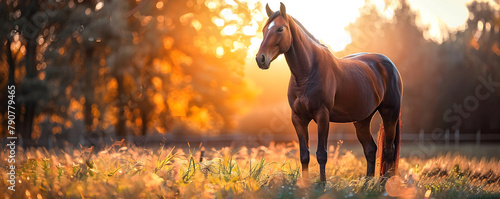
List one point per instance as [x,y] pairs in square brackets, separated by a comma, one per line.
[273,171]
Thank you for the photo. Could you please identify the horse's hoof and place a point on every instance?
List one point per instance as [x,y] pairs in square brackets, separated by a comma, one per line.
[321,186]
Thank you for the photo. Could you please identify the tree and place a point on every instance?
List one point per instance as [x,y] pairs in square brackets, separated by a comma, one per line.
[25,22]
[437,77]
[171,64]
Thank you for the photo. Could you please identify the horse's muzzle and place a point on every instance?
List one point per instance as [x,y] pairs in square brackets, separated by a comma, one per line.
[262,62]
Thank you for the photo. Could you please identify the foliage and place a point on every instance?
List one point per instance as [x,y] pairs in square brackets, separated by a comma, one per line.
[98,65]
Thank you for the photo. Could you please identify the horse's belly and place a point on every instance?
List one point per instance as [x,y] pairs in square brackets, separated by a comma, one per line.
[353,110]
[340,117]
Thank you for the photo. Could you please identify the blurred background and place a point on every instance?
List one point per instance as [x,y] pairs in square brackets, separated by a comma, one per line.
[88,72]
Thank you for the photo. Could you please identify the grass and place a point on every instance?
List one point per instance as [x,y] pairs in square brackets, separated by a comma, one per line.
[120,171]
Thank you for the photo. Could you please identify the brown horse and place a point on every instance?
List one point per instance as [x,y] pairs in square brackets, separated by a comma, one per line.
[327,89]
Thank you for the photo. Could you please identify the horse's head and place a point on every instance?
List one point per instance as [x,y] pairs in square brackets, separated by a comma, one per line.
[277,37]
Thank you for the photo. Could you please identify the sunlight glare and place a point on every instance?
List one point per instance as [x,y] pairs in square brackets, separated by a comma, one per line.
[211,5]
[218,21]
[229,30]
[99,5]
[379,3]
[324,19]
[219,52]
[196,24]
[228,15]
[440,14]
[159,5]
[251,30]
[327,19]
[254,47]
[231,2]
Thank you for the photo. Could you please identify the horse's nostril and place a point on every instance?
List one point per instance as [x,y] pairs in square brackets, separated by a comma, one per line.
[263,59]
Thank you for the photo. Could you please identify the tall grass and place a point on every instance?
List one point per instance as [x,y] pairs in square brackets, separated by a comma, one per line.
[263,172]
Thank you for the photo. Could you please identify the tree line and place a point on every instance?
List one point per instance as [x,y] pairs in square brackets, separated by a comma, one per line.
[105,67]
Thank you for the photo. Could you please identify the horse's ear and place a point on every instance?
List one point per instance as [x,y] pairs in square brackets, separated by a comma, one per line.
[268,10]
[282,9]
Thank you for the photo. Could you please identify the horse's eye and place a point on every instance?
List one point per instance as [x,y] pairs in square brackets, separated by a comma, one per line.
[280,29]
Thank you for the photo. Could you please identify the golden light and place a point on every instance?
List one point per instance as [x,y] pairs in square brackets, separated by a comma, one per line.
[218,21]
[227,43]
[168,42]
[228,14]
[99,5]
[179,101]
[428,193]
[250,30]
[157,83]
[219,52]
[211,5]
[41,75]
[184,19]
[229,30]
[231,2]
[200,118]
[196,24]
[238,45]
[159,5]
[158,99]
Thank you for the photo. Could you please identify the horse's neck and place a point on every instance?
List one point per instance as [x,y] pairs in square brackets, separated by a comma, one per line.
[302,56]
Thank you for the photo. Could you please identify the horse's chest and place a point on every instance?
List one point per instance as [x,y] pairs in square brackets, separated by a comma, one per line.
[308,104]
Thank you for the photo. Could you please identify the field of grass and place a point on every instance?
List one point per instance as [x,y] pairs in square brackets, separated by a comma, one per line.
[120,171]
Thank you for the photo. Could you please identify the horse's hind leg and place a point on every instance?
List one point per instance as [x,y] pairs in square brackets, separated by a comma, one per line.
[390,117]
[366,140]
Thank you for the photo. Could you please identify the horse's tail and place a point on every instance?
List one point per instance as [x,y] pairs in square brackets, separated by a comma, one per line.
[380,159]
[379,167]
[397,145]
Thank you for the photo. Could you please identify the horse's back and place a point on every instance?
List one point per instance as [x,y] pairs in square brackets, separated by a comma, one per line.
[386,69]
[353,55]
[379,63]
[371,59]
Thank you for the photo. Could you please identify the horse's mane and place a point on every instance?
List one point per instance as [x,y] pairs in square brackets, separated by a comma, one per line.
[301,27]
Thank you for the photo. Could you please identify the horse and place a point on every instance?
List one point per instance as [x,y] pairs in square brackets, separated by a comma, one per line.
[324,89]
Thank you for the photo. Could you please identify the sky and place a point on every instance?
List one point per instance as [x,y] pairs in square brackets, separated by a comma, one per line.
[327,19]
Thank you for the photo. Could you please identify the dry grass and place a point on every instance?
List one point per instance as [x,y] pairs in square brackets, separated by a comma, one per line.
[263,172]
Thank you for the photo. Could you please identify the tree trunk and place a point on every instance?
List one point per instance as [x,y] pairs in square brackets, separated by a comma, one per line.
[88,92]
[145,105]
[88,119]
[144,118]
[120,116]
[145,108]
[12,65]
[27,124]
[31,104]
[12,81]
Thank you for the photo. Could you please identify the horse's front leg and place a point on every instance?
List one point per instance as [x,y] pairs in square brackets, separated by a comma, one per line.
[322,119]
[300,125]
